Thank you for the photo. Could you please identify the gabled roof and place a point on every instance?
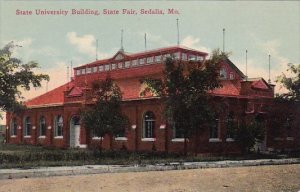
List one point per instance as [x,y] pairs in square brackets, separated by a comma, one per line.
[234,67]
[229,87]
[259,83]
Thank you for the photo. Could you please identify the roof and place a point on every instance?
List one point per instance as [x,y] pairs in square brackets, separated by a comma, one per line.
[229,87]
[235,68]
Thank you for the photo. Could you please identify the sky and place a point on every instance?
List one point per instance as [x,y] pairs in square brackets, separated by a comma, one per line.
[261,27]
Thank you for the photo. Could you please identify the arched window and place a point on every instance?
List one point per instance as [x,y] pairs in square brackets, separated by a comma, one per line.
[13,127]
[42,124]
[149,125]
[58,126]
[27,126]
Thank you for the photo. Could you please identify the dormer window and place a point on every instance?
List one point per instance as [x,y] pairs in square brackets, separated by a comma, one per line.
[120,65]
[157,59]
[142,61]
[134,62]
[223,74]
[113,66]
[150,60]
[106,67]
[127,64]
[184,56]
[88,70]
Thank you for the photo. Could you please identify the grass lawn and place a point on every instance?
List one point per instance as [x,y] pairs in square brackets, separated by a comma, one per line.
[26,156]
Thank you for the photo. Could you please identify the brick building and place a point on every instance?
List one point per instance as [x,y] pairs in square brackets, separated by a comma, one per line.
[53,119]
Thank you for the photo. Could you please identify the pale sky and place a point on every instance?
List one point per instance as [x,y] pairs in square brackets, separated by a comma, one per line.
[261,27]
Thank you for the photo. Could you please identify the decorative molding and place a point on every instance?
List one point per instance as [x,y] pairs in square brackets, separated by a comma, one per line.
[230,140]
[162,126]
[215,140]
[121,139]
[58,137]
[148,139]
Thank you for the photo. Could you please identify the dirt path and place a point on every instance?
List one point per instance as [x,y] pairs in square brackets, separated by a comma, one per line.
[261,178]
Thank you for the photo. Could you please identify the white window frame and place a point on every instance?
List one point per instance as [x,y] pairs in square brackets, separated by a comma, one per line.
[101,68]
[120,65]
[134,63]
[27,126]
[82,71]
[150,60]
[158,58]
[58,121]
[88,70]
[142,61]
[107,67]
[94,69]
[40,126]
[127,64]
[113,66]
[78,72]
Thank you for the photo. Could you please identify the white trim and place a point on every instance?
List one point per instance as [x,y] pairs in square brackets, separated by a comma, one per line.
[84,146]
[13,136]
[278,139]
[162,126]
[58,137]
[19,127]
[133,126]
[215,140]
[27,136]
[179,140]
[49,127]
[230,140]
[97,138]
[33,127]
[148,139]
[121,139]
[290,138]
[42,137]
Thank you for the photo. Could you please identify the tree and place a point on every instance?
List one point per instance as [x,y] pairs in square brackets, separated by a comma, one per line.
[105,117]
[292,84]
[185,88]
[14,74]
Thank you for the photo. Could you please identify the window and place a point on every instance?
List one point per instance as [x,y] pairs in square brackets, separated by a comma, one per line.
[127,64]
[120,65]
[142,61]
[101,68]
[94,69]
[184,56]
[42,124]
[149,60]
[13,127]
[78,72]
[113,66]
[230,125]
[214,128]
[88,70]
[82,71]
[158,59]
[231,76]
[134,62]
[149,125]
[58,126]
[121,133]
[27,126]
[176,55]
[166,56]
[199,58]
[223,74]
[192,57]
[178,132]
[288,126]
[106,67]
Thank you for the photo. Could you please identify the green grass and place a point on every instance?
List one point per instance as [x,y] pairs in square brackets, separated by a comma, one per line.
[25,156]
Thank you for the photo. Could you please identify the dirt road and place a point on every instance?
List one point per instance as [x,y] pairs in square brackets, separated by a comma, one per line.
[261,178]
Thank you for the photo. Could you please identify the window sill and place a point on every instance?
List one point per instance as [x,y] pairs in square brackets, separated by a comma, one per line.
[148,139]
[121,139]
[230,140]
[179,140]
[215,140]
[58,137]
[290,138]
[27,136]
[42,137]
[13,136]
[97,138]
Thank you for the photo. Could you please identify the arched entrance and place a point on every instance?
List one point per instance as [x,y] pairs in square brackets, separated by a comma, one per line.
[75,131]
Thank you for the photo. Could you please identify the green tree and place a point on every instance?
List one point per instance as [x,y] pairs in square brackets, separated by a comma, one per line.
[105,117]
[14,74]
[185,88]
[292,84]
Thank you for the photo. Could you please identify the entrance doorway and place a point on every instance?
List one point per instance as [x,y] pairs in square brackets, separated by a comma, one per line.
[75,131]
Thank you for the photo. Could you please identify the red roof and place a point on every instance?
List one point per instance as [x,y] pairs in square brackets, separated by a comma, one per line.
[228,88]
